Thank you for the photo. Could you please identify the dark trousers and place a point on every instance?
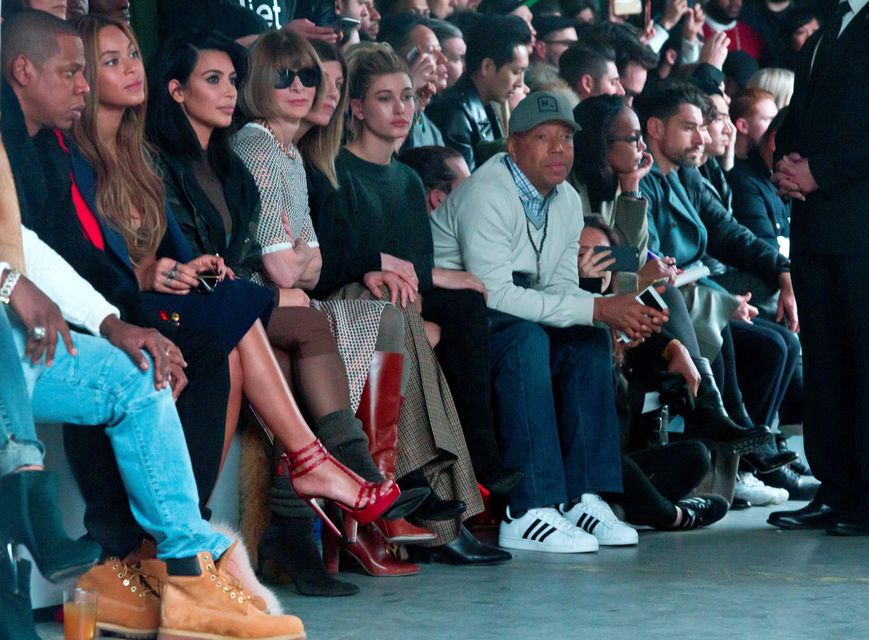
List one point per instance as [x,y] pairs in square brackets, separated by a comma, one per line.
[202,409]
[680,325]
[834,318]
[658,477]
[766,356]
[464,355]
[555,403]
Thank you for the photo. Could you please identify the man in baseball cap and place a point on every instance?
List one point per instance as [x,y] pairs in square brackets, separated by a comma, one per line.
[515,224]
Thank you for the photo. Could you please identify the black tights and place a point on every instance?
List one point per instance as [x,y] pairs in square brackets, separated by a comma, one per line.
[654,479]
[318,372]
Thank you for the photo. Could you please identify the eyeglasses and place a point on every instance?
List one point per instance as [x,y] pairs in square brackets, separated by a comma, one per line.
[308,76]
[633,140]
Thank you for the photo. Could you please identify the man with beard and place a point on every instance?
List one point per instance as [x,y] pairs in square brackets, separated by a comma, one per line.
[723,15]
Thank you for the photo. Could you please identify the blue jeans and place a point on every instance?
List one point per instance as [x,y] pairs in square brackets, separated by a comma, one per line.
[556,410]
[18,444]
[101,385]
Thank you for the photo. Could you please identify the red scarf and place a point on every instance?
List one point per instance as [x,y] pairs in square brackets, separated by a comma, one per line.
[89,225]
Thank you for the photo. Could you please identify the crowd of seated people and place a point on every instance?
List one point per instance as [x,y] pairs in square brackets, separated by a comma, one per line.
[397,247]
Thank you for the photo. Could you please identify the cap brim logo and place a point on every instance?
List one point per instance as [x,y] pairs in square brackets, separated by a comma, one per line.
[547,104]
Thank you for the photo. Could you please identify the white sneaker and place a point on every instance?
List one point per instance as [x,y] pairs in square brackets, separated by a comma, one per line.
[596,517]
[748,487]
[544,529]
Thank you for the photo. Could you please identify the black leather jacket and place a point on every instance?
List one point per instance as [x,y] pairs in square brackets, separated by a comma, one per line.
[464,120]
[201,223]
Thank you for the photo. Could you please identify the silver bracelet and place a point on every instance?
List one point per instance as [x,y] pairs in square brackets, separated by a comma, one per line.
[8,285]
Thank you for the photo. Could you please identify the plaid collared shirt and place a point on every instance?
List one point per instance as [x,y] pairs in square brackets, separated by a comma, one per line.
[535,205]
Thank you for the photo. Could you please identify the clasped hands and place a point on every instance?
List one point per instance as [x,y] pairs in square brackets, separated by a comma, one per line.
[793,177]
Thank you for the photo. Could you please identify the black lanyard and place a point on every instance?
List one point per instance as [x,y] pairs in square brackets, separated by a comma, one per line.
[538,251]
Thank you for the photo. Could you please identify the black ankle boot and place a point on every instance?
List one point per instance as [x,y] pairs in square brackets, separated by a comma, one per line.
[31,517]
[16,611]
[712,423]
[768,458]
[288,546]
[739,414]
[797,465]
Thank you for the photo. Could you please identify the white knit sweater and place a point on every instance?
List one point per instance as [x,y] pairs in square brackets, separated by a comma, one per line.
[481,228]
[79,302]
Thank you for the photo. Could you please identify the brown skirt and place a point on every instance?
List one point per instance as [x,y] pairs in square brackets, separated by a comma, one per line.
[429,432]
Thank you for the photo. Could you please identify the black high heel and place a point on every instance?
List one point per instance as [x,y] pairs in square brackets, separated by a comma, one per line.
[28,502]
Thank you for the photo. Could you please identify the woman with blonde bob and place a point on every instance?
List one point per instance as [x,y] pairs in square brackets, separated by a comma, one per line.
[286,82]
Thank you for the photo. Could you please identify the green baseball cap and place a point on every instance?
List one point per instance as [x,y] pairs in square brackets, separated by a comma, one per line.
[539,107]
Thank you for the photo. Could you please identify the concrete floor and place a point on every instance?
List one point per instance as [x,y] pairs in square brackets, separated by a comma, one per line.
[738,579]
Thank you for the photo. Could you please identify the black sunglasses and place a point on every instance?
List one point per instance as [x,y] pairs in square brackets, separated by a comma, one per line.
[308,76]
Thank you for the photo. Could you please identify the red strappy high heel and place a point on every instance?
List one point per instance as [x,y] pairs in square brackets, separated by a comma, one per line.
[371,501]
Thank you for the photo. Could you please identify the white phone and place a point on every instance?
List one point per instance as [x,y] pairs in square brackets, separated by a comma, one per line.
[649,297]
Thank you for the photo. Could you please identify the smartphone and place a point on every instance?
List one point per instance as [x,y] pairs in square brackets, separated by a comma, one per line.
[627,258]
[627,7]
[342,24]
[207,281]
[412,56]
[651,298]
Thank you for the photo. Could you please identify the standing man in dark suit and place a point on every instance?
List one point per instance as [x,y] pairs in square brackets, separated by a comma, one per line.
[824,168]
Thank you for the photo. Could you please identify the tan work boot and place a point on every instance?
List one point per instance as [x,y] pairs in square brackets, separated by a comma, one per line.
[126,604]
[212,605]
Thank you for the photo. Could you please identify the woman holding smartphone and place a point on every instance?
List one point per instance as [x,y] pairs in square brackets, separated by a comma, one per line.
[253,221]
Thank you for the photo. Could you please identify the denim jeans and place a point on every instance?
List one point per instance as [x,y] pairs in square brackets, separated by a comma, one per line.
[18,444]
[556,410]
[101,385]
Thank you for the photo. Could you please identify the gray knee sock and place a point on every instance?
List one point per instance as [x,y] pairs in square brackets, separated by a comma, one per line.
[343,436]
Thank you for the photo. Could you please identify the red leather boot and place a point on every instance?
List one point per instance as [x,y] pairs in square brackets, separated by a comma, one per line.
[379,408]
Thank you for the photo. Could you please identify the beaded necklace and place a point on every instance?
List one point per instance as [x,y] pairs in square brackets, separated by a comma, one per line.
[288,150]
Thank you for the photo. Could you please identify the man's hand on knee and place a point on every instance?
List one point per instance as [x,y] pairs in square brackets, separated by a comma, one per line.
[133,340]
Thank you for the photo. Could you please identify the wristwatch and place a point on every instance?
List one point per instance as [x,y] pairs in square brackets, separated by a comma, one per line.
[12,277]
[636,195]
